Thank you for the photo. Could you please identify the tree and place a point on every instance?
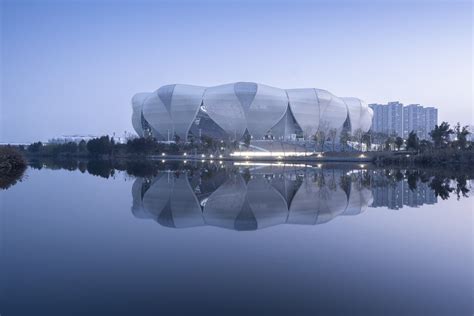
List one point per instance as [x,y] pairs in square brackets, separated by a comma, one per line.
[82,146]
[388,143]
[358,137]
[461,136]
[247,138]
[100,146]
[321,135]
[140,145]
[320,138]
[35,147]
[69,147]
[413,141]
[344,138]
[441,135]
[398,142]
[367,139]
[425,145]
[332,134]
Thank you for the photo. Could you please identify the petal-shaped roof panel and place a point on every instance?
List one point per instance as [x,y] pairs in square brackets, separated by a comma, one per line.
[305,108]
[137,106]
[354,109]
[225,109]
[156,114]
[266,110]
[185,105]
[165,93]
[245,92]
[366,117]
[333,111]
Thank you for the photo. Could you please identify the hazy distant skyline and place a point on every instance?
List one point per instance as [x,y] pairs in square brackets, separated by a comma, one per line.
[72,67]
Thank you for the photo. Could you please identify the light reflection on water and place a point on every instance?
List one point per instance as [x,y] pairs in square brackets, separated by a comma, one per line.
[254,239]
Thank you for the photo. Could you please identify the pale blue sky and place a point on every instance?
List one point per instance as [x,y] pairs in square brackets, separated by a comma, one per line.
[72,66]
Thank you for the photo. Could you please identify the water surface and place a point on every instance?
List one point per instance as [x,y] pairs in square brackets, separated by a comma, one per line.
[249,239]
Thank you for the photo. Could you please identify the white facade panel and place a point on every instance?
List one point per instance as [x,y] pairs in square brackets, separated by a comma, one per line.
[137,106]
[225,109]
[354,109]
[366,117]
[305,108]
[333,111]
[266,110]
[156,114]
[185,103]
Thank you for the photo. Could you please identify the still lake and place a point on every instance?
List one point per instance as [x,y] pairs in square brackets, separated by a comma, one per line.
[258,239]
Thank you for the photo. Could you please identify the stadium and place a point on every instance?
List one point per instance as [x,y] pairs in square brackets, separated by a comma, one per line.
[269,116]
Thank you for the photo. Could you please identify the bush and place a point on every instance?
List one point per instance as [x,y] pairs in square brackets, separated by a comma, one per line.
[12,166]
[141,145]
[100,146]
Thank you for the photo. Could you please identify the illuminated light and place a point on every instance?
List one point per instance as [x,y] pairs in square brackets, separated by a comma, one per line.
[185,154]
[249,154]
[319,165]
[222,148]
[278,164]
[212,156]
[220,156]
[279,157]
[362,166]
[203,160]
[220,162]
[185,161]
[203,156]
[163,160]
[362,156]
[407,156]
[163,154]
[320,156]
[212,161]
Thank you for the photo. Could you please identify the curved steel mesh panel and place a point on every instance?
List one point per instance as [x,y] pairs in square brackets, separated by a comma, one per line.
[266,110]
[224,108]
[260,109]
[304,105]
[184,107]
[137,106]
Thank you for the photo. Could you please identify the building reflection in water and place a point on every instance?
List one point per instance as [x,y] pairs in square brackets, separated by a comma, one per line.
[250,199]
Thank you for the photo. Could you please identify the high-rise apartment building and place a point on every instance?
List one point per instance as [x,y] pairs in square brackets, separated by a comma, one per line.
[388,118]
[395,119]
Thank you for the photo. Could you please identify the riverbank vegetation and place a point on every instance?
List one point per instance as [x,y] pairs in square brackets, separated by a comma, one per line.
[446,146]
[12,166]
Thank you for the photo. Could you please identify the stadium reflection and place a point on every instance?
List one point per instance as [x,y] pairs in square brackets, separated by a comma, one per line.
[252,198]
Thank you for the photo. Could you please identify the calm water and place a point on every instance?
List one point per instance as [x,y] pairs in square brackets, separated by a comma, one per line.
[254,240]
